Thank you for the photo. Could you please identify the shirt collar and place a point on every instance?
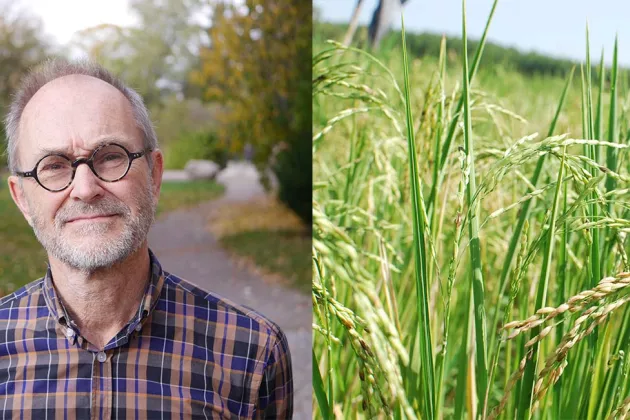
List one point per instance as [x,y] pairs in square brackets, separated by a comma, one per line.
[146,306]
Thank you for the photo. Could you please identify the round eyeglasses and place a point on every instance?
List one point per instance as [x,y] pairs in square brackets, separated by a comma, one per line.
[109,162]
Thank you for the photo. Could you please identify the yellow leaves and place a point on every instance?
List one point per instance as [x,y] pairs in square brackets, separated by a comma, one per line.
[212,93]
[195,77]
[254,65]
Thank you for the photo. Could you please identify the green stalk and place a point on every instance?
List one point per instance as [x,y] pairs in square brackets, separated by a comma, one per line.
[318,388]
[524,210]
[439,130]
[422,287]
[599,116]
[610,235]
[433,225]
[595,268]
[514,292]
[599,371]
[595,272]
[438,135]
[562,295]
[613,375]
[599,135]
[613,130]
[331,399]
[462,369]
[527,387]
[446,147]
[585,129]
[481,368]
[615,381]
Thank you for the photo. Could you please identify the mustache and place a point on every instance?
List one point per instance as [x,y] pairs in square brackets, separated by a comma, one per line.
[76,209]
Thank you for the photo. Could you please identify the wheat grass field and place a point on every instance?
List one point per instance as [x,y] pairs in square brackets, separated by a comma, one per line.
[469,237]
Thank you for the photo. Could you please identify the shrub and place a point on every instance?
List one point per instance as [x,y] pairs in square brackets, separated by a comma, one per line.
[295,178]
[200,145]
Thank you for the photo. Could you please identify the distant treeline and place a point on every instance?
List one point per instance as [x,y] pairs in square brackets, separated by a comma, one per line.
[428,44]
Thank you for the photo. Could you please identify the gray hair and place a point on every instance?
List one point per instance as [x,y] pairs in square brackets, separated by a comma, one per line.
[56,68]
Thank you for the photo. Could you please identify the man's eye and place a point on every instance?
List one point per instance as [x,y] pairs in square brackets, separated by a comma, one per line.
[113,156]
[53,167]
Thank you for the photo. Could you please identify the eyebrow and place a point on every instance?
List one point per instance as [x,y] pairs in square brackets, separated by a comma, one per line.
[65,151]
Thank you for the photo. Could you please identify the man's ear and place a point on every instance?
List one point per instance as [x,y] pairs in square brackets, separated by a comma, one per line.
[17,194]
[157,172]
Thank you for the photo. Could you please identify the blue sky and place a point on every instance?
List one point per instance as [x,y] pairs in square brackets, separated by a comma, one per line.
[552,27]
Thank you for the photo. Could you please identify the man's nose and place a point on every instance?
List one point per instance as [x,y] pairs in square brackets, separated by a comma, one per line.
[85,185]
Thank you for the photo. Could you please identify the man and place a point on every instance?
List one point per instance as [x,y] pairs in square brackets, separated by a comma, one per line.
[106,333]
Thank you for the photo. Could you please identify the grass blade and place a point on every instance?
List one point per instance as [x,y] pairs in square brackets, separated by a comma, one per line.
[446,147]
[613,129]
[611,163]
[318,388]
[422,284]
[441,359]
[562,293]
[596,272]
[462,376]
[481,368]
[599,116]
[331,392]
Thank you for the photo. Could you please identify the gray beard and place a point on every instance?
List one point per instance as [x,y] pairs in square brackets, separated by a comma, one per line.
[100,252]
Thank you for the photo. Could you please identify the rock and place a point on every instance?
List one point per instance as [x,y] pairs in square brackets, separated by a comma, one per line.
[202,169]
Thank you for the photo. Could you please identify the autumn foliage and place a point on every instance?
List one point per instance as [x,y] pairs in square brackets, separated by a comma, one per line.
[258,65]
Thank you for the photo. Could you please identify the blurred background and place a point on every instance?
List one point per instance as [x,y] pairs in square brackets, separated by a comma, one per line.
[228,87]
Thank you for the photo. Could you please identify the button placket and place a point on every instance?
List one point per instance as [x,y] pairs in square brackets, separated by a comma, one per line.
[101,386]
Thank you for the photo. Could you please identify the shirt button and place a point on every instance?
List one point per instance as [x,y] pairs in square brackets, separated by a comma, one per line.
[139,327]
[101,356]
[69,332]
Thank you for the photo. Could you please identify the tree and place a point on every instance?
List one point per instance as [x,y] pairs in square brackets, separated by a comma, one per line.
[258,65]
[380,24]
[155,56]
[22,46]
[354,22]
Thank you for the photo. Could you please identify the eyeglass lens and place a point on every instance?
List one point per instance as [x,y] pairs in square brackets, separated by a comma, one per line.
[110,163]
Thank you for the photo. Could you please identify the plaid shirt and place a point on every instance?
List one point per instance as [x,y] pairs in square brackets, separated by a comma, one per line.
[185,354]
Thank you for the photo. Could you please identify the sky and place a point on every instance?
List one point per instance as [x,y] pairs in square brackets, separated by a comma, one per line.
[62,18]
[552,27]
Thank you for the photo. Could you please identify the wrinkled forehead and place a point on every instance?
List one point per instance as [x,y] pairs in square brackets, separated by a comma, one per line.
[75,114]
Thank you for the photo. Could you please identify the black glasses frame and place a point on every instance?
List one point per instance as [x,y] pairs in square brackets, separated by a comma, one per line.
[88,161]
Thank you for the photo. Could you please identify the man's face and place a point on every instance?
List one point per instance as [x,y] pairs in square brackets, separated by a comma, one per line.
[91,224]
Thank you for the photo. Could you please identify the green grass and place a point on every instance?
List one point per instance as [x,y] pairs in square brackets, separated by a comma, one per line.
[450,202]
[285,253]
[189,146]
[178,195]
[22,258]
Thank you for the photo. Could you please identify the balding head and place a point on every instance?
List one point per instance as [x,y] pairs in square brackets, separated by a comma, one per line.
[74,113]
[55,70]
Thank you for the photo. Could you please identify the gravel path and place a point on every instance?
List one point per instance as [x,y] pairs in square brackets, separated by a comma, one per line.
[187,249]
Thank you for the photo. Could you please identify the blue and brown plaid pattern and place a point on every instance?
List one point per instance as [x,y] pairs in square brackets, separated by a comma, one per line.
[185,354]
